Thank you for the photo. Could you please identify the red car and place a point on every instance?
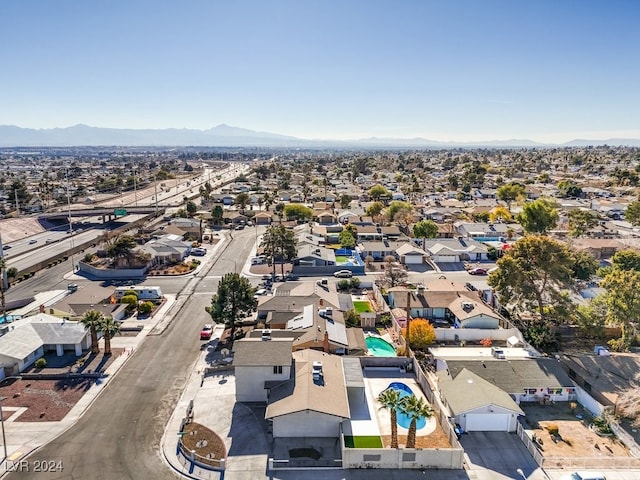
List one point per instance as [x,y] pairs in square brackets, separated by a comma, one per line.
[206,332]
[478,271]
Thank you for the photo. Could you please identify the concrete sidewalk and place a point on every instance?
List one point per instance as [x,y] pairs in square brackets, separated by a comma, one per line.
[24,437]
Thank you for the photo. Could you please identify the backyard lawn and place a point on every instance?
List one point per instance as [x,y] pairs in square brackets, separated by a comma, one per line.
[371,441]
[362,307]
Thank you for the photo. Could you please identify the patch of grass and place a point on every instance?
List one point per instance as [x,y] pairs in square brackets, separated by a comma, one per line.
[370,441]
[340,259]
[362,307]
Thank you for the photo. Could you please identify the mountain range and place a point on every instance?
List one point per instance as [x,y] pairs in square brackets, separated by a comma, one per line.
[227,136]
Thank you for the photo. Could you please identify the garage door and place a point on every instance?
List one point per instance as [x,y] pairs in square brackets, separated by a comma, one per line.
[413,259]
[488,422]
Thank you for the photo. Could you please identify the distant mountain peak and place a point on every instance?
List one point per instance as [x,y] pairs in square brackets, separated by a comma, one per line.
[224,135]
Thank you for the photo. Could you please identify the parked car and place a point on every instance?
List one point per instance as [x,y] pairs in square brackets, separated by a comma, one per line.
[206,332]
[199,252]
[477,271]
[343,274]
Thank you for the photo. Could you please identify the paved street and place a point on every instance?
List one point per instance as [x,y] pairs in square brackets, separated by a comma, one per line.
[118,437]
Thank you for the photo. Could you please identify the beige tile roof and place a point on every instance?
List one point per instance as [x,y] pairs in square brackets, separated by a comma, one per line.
[303,393]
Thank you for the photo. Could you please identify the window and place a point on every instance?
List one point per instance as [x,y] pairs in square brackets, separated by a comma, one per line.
[530,391]
[277,369]
[554,391]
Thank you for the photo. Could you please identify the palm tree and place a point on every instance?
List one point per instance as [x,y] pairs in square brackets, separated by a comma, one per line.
[92,320]
[110,328]
[415,408]
[390,400]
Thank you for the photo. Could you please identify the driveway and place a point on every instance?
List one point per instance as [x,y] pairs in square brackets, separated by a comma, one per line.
[497,455]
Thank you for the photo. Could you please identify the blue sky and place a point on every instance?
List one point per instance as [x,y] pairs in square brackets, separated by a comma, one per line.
[333,69]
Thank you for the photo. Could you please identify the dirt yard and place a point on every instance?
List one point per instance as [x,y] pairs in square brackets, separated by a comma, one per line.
[32,400]
[436,439]
[574,439]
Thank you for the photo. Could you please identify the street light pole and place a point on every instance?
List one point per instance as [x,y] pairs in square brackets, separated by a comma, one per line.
[519,471]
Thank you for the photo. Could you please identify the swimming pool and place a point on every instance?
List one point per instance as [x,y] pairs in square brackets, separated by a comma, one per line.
[404,420]
[379,347]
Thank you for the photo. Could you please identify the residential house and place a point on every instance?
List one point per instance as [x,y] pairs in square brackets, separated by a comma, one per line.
[314,401]
[259,364]
[30,338]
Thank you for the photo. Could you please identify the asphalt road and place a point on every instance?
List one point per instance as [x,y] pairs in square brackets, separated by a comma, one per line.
[119,436]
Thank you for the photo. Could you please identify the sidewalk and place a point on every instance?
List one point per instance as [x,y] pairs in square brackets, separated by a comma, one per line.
[25,437]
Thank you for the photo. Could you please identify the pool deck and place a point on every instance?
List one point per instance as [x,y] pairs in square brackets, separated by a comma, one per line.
[368,419]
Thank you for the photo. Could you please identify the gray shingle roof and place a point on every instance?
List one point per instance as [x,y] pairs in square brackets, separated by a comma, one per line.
[251,352]
[513,376]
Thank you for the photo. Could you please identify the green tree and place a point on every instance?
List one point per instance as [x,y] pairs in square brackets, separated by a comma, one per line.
[415,408]
[584,265]
[122,248]
[92,320]
[538,216]
[510,192]
[390,399]
[242,199]
[626,260]
[531,276]
[347,240]
[217,213]
[375,209]
[378,192]
[397,209]
[192,208]
[581,221]
[233,301]
[623,304]
[425,229]
[351,317]
[279,243]
[110,328]
[567,188]
[297,211]
[632,213]
[345,200]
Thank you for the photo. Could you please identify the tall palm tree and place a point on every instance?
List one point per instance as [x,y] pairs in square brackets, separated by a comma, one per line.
[415,408]
[92,320]
[390,399]
[110,328]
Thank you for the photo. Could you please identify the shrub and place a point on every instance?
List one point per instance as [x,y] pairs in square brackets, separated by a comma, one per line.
[486,342]
[41,363]
[129,299]
[145,308]
[131,293]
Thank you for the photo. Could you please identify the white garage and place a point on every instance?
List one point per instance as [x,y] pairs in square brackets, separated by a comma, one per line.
[477,405]
[488,421]
[410,255]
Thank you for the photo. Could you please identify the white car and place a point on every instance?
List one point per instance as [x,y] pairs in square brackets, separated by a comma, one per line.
[343,274]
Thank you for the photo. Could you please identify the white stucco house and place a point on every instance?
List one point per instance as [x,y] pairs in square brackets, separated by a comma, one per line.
[32,337]
[260,364]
